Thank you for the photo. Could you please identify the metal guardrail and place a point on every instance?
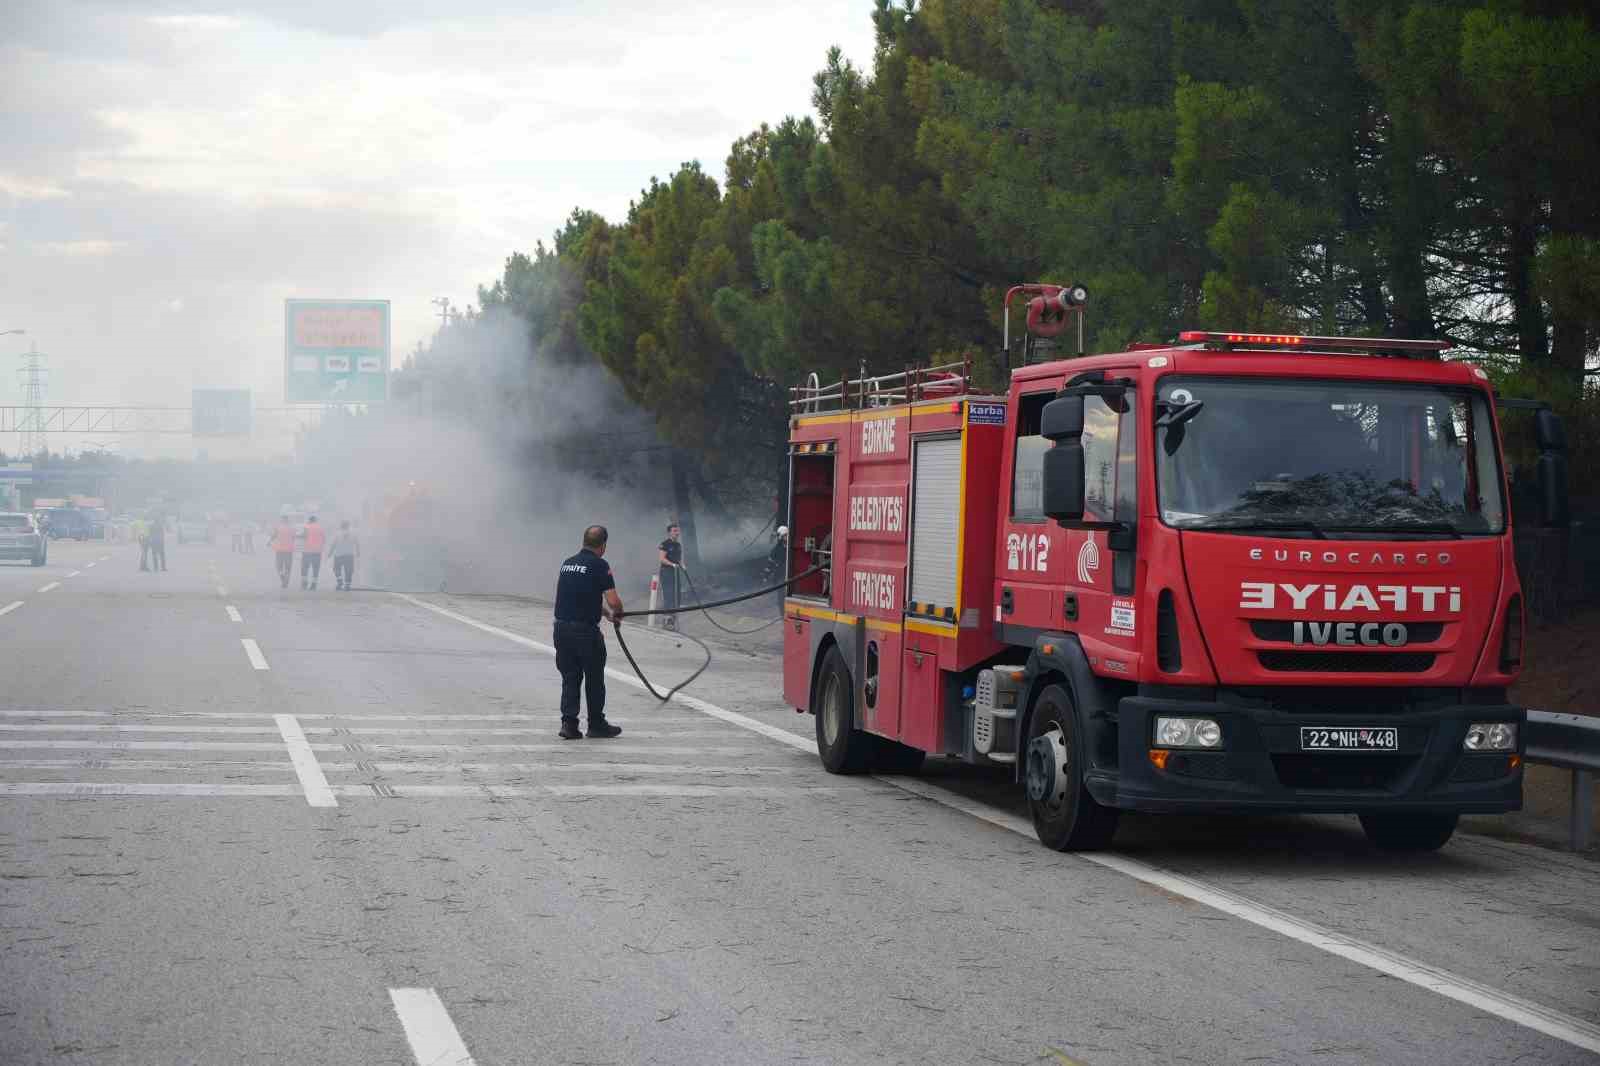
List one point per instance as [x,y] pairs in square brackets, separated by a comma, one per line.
[1571,742]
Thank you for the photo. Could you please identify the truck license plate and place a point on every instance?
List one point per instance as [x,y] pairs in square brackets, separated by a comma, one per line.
[1359,738]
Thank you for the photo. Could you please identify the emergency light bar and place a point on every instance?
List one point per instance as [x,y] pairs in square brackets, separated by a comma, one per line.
[1270,341]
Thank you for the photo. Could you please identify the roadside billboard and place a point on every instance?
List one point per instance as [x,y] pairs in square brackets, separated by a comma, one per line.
[335,351]
[220,412]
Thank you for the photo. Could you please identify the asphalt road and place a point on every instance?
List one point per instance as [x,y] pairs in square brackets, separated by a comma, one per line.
[241,824]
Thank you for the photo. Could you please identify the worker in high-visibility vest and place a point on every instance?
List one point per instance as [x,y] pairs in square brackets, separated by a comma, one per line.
[311,554]
[283,548]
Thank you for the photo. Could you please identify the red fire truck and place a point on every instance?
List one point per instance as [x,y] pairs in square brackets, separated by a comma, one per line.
[1233,573]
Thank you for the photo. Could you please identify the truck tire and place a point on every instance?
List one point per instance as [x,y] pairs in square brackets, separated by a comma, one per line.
[1065,816]
[844,749]
[1409,832]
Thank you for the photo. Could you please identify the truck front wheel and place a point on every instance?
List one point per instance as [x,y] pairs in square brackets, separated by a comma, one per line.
[1409,832]
[1065,816]
[844,748]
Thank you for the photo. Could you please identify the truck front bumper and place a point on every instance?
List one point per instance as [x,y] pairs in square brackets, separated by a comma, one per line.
[1262,767]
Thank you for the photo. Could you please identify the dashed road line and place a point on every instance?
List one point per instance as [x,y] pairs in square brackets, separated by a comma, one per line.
[432,1035]
[222,590]
[75,573]
[233,613]
[51,587]
[12,606]
[305,763]
[253,650]
[1552,1023]
[90,565]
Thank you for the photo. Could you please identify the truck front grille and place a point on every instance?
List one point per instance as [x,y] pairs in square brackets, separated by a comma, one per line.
[1347,662]
[1341,770]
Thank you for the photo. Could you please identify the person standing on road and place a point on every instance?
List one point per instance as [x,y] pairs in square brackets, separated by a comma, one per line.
[585,592]
[283,549]
[141,534]
[311,554]
[158,541]
[670,553]
[344,548]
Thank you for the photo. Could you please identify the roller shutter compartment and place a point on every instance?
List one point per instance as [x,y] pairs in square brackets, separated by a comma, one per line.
[935,515]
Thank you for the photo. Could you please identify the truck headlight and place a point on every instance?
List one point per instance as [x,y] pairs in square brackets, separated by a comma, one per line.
[1188,733]
[1491,736]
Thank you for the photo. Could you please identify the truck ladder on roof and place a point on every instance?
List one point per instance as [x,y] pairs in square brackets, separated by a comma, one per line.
[884,390]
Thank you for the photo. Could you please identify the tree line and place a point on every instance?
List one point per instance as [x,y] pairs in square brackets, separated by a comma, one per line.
[1413,168]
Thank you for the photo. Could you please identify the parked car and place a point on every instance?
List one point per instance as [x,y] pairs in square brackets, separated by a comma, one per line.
[21,538]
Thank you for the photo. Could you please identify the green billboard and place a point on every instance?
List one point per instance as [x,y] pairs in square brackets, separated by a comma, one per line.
[335,351]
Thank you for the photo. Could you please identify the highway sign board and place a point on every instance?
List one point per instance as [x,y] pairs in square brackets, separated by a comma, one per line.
[336,351]
[221,412]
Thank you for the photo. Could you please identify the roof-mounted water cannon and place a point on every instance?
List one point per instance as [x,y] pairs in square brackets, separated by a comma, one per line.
[1050,309]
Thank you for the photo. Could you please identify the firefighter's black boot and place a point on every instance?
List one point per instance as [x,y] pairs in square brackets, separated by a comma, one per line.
[603,730]
[570,730]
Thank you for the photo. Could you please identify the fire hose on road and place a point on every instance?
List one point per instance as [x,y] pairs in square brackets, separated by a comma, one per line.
[616,625]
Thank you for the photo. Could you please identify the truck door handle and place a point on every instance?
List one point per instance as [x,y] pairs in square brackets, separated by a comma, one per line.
[1006,602]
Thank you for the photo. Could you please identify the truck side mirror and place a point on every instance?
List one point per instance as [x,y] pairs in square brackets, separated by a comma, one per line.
[1062,418]
[1063,476]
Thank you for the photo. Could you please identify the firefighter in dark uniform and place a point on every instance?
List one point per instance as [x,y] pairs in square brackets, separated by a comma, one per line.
[670,553]
[585,592]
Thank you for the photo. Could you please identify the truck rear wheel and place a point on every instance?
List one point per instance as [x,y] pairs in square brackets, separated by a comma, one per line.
[1065,816]
[1409,832]
[844,748]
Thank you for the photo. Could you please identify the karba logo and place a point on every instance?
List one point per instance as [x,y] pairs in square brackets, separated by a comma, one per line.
[1088,561]
[1263,596]
[877,436]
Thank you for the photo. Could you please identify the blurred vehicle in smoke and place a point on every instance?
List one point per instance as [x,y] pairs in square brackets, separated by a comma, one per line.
[67,522]
[405,532]
[22,539]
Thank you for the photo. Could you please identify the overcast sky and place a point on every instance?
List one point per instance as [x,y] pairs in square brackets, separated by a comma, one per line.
[171,171]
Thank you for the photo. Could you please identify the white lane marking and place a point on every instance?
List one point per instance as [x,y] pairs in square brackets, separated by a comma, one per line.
[198,765]
[305,763]
[1553,1023]
[233,613]
[8,608]
[222,590]
[75,573]
[103,558]
[169,788]
[174,788]
[381,731]
[90,566]
[253,650]
[464,716]
[433,1037]
[141,765]
[51,587]
[574,749]
[782,736]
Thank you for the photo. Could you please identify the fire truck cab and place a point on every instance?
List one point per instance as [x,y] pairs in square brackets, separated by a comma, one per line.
[1234,573]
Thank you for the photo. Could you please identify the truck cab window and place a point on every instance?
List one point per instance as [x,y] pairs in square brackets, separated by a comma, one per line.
[1027,470]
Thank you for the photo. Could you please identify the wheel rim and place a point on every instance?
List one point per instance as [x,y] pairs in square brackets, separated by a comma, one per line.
[832,710]
[1048,767]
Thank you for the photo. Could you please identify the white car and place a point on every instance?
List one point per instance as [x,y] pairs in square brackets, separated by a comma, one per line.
[22,539]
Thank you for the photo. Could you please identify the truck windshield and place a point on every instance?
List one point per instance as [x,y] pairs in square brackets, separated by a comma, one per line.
[1326,456]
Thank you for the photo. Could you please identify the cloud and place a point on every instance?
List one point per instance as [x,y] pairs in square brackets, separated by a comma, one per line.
[243,152]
